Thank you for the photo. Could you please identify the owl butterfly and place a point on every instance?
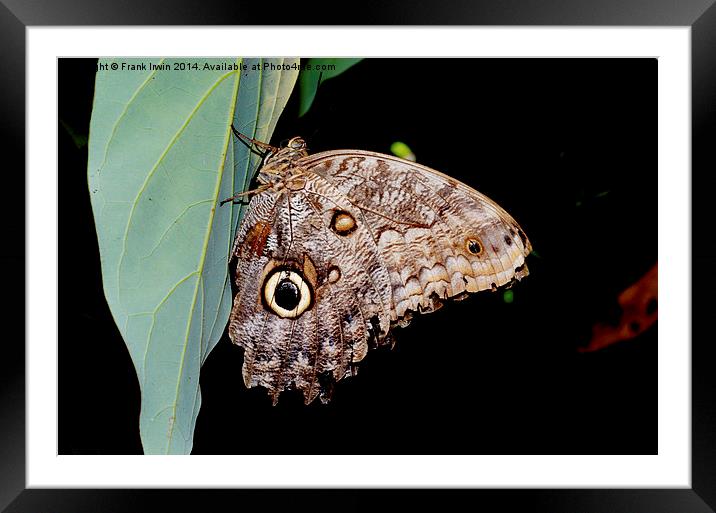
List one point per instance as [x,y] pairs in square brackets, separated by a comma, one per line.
[338,247]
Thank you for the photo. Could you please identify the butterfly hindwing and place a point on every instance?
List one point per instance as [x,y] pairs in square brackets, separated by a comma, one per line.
[347,288]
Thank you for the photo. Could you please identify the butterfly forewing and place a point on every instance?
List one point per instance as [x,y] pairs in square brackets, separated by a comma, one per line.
[438,237]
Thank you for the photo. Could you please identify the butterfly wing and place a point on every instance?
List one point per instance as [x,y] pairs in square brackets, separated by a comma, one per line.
[437,237]
[326,267]
[288,236]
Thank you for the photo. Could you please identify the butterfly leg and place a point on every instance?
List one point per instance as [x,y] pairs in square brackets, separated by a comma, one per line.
[260,144]
[257,190]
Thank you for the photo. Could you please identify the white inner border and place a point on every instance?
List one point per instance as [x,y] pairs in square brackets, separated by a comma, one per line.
[670,468]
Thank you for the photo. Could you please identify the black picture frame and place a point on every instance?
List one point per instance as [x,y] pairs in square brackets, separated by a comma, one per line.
[700,15]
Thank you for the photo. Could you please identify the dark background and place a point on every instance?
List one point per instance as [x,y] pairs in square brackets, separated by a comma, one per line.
[568,147]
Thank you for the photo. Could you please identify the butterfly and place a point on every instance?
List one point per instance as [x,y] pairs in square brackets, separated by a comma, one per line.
[337,248]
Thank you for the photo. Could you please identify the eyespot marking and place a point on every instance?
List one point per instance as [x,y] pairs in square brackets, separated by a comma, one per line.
[286,293]
[343,222]
[473,246]
[334,274]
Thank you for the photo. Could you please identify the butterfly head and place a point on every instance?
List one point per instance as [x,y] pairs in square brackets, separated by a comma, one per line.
[297,144]
[278,162]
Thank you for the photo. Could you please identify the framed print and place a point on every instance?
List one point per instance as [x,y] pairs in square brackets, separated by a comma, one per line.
[588,97]
[554,383]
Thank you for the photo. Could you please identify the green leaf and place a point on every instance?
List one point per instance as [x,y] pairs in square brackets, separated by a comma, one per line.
[161,158]
[320,70]
[508,296]
[402,150]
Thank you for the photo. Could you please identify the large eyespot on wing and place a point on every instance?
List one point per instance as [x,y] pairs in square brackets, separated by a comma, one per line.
[438,237]
[286,293]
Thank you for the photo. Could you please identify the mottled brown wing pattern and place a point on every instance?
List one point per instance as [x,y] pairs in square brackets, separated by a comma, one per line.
[349,287]
[438,237]
[363,240]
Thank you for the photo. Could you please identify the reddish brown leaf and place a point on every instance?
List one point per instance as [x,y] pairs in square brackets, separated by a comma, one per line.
[639,311]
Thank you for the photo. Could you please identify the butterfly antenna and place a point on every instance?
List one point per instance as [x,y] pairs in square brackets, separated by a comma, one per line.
[250,140]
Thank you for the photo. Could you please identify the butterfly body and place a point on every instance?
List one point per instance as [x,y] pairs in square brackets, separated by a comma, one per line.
[338,247]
